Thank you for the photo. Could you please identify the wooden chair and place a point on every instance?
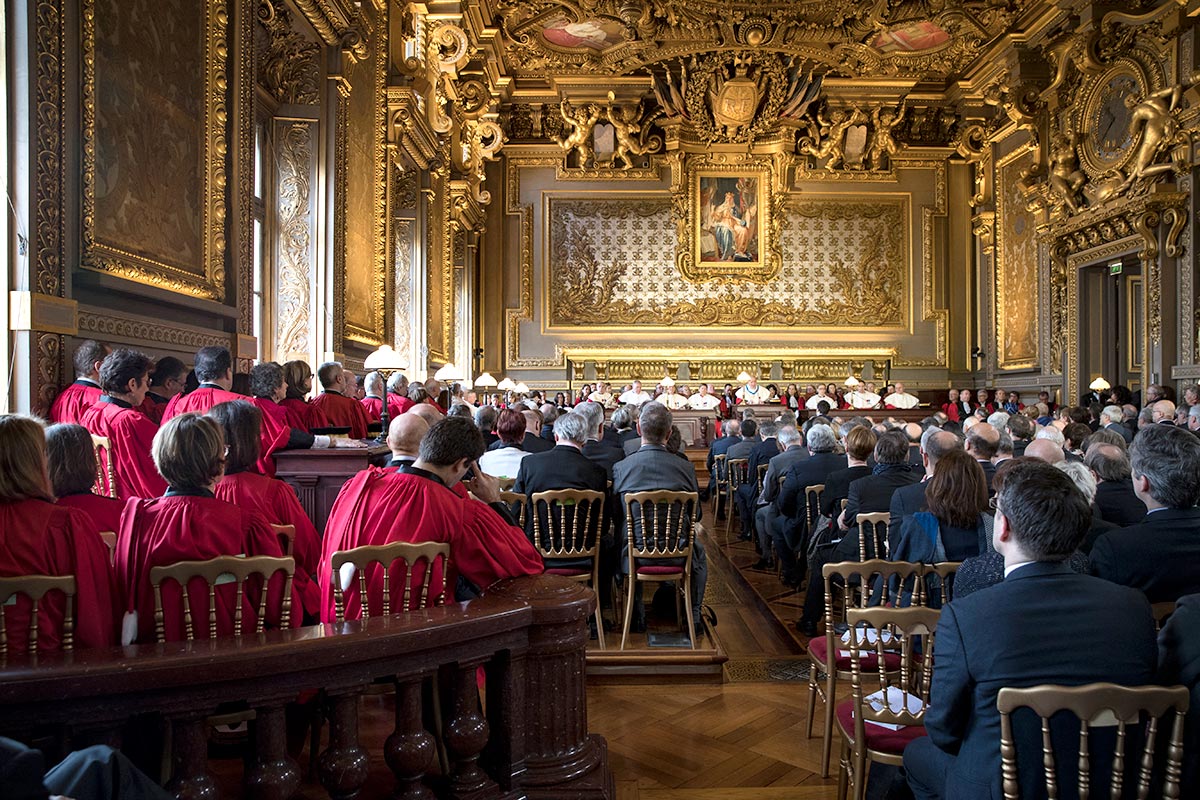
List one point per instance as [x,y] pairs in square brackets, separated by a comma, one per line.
[384,556]
[937,584]
[812,504]
[287,537]
[721,482]
[35,587]
[218,571]
[110,541]
[761,477]
[1161,612]
[659,529]
[877,635]
[854,580]
[1096,704]
[874,526]
[737,473]
[506,484]
[515,501]
[106,468]
[574,521]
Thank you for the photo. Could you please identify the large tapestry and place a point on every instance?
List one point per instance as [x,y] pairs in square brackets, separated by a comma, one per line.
[845,262]
[1016,268]
[154,98]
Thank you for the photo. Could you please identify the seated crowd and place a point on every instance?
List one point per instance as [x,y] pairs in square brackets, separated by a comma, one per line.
[1068,522]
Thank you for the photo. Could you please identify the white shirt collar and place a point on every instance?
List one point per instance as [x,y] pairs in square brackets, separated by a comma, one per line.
[1009,570]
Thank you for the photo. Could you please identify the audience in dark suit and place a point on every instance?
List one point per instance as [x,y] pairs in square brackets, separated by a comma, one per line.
[908,500]
[747,494]
[732,434]
[600,451]
[562,467]
[767,512]
[1042,624]
[860,443]
[790,534]
[983,442]
[1179,663]
[1161,554]
[1115,497]
[1111,419]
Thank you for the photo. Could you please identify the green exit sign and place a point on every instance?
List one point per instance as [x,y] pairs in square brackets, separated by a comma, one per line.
[1115,268]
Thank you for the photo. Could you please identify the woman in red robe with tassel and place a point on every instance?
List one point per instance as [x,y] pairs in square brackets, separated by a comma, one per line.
[270,497]
[38,537]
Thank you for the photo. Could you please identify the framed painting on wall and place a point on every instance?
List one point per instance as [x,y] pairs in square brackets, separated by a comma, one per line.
[730,223]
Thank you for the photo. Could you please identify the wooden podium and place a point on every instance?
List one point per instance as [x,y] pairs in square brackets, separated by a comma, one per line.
[695,426]
[318,475]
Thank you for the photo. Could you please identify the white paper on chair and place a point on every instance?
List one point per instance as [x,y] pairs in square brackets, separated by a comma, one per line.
[867,637]
[895,704]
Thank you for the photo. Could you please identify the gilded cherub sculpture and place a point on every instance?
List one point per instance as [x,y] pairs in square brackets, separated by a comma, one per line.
[582,121]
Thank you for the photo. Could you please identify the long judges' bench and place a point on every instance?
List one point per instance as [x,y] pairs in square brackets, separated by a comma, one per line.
[529,634]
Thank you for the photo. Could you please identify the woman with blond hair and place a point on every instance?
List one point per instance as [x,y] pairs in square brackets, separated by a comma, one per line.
[38,537]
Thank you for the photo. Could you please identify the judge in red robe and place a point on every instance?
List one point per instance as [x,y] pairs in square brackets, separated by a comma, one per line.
[73,400]
[414,503]
[71,462]
[273,499]
[214,370]
[373,402]
[166,380]
[124,377]
[338,407]
[38,537]
[190,524]
[297,377]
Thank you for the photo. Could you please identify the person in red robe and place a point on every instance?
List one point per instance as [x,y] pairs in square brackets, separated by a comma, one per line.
[397,387]
[72,464]
[189,523]
[124,377]
[336,403]
[298,375]
[38,537]
[85,391]
[376,394]
[167,379]
[415,503]
[272,498]
[268,390]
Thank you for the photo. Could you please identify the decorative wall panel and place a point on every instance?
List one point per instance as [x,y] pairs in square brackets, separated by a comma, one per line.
[294,254]
[364,198]
[845,262]
[154,125]
[1016,267]
[403,234]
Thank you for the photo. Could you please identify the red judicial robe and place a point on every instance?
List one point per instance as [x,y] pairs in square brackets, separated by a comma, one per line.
[270,407]
[374,407]
[278,505]
[274,436]
[74,400]
[104,511]
[402,402]
[131,434]
[342,411]
[153,406]
[41,538]
[302,415]
[379,505]
[192,528]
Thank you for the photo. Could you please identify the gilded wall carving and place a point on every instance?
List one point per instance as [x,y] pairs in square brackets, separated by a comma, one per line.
[1017,287]
[289,65]
[845,263]
[403,236]
[364,246]
[103,326]
[293,244]
[154,125]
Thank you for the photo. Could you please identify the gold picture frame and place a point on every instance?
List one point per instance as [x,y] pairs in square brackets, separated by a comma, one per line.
[730,227]
[137,221]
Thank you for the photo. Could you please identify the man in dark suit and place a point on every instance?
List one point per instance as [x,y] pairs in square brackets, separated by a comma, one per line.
[532,442]
[914,433]
[983,442]
[1114,488]
[749,440]
[655,468]
[767,512]
[1042,624]
[1179,663]
[789,535]
[1111,418]
[562,467]
[621,430]
[732,430]
[1021,429]
[747,494]
[600,451]
[1160,555]
[908,500]
[485,420]
[859,444]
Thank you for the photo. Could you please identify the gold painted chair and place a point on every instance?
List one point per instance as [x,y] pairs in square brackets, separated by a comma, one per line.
[106,468]
[367,558]
[737,473]
[572,521]
[1140,708]
[660,529]
[217,572]
[887,697]
[848,585]
[287,537]
[720,483]
[812,504]
[36,587]
[506,484]
[110,541]
[516,502]
[872,528]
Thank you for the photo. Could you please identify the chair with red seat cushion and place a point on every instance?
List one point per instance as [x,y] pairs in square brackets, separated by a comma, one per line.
[848,579]
[875,634]
[570,545]
[659,529]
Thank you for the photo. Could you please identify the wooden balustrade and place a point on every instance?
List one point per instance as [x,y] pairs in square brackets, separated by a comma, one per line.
[529,634]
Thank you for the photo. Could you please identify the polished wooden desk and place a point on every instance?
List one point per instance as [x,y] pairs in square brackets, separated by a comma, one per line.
[877,414]
[318,475]
[696,427]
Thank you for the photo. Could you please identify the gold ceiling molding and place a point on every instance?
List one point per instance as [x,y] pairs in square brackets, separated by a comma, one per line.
[206,277]
[408,129]
[108,327]
[335,24]
[289,66]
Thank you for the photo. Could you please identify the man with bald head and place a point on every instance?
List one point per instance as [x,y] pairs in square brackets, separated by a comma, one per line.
[426,412]
[1163,413]
[1046,450]
[404,438]
[1115,498]
[914,432]
[983,442]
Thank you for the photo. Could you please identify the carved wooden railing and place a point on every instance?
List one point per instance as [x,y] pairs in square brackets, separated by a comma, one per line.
[529,635]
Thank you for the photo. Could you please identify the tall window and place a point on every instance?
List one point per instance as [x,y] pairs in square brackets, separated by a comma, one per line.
[262,241]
